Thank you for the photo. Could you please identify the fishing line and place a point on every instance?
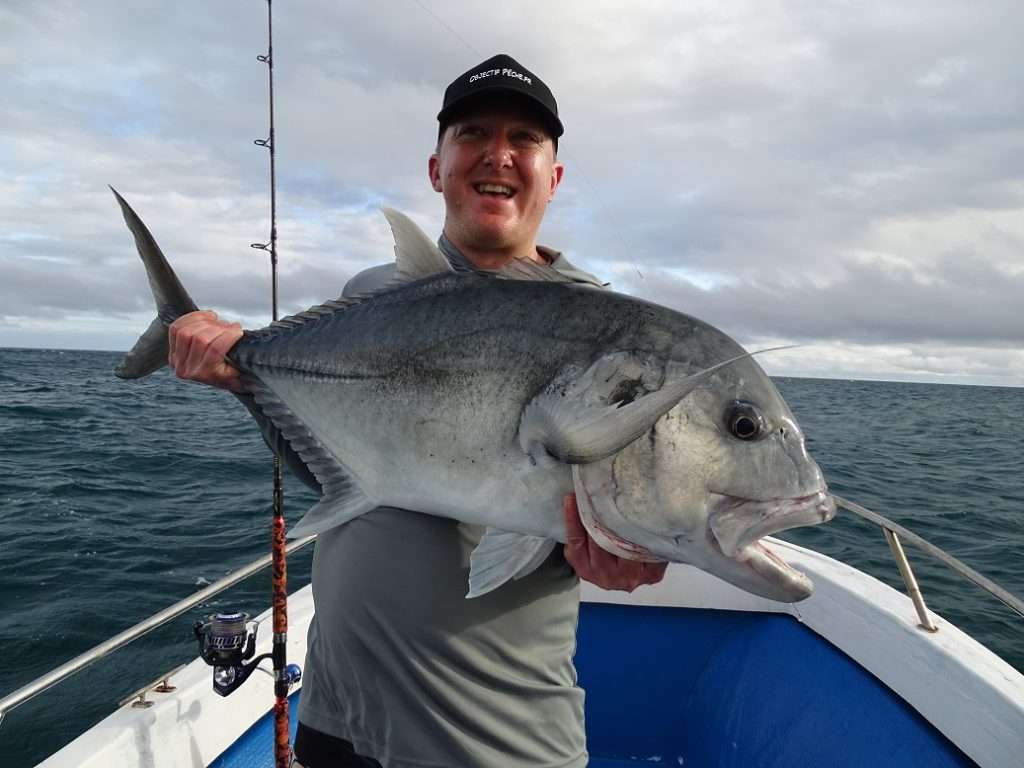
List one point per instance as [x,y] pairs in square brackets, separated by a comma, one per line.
[441,21]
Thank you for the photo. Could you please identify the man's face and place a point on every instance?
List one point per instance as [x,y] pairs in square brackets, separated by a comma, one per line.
[497,170]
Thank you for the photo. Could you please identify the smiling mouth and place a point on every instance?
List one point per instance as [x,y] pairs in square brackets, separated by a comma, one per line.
[494,190]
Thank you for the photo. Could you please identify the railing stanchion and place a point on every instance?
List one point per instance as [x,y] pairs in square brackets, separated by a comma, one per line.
[908,578]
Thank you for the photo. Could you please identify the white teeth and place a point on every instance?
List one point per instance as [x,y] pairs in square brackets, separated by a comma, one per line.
[497,189]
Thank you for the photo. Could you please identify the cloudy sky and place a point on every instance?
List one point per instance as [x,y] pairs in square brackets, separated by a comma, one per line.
[844,176]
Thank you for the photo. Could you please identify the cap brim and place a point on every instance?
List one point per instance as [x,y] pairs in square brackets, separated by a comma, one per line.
[452,110]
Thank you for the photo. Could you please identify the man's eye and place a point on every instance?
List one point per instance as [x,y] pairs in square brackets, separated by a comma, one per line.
[469,130]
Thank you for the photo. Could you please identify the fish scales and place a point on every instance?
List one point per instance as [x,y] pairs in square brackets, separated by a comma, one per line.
[486,400]
[449,365]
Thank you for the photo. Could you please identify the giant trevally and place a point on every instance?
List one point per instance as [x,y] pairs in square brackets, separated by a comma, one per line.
[486,400]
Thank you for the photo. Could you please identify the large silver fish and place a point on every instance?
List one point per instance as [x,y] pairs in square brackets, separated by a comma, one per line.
[486,400]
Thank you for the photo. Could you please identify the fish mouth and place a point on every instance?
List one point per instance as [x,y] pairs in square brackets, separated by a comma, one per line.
[728,545]
[736,526]
[736,522]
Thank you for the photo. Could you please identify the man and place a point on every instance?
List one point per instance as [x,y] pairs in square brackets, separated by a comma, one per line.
[401,669]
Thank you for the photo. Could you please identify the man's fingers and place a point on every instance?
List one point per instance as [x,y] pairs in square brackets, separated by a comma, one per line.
[598,566]
[179,353]
[221,344]
[603,561]
[198,344]
[179,333]
[213,364]
[652,573]
[575,534]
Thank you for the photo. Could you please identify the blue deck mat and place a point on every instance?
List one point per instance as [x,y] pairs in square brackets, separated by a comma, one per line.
[718,688]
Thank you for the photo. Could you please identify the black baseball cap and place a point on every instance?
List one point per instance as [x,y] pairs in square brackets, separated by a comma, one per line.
[501,73]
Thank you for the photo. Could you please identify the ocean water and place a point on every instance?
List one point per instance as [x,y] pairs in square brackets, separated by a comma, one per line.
[119,498]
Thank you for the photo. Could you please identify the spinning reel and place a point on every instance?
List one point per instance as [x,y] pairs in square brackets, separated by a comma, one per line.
[227,641]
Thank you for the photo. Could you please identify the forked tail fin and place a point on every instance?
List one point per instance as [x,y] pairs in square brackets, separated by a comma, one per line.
[172,301]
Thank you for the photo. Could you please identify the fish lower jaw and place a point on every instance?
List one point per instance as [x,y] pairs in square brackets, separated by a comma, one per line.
[757,569]
[788,584]
[737,527]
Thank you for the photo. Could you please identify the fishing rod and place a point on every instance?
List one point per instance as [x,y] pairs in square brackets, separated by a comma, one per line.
[227,641]
[279,569]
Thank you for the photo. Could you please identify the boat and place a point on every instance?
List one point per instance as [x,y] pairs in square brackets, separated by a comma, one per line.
[688,672]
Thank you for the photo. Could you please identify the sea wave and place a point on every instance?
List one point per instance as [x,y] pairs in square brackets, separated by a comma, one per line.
[118,498]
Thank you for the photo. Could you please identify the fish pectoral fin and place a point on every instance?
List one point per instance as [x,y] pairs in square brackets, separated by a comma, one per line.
[503,555]
[581,433]
[583,417]
[416,255]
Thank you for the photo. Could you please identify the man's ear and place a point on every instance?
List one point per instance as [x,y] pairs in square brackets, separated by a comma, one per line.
[557,169]
[434,170]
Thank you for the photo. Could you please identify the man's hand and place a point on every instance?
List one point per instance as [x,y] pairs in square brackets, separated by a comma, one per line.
[198,343]
[597,566]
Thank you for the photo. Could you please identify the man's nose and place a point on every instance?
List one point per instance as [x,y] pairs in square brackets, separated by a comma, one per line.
[498,153]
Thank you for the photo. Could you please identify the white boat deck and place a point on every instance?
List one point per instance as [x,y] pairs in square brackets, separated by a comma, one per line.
[968,693]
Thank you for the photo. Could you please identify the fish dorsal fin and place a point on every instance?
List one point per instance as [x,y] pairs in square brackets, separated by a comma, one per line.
[416,255]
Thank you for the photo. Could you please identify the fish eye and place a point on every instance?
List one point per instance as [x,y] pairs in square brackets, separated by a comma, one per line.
[744,421]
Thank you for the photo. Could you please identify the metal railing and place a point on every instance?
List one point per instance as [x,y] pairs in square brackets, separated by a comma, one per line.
[894,532]
[40,684]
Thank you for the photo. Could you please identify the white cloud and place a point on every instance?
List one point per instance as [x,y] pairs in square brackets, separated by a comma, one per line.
[849,177]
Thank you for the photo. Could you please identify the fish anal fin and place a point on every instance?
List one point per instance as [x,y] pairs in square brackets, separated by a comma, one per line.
[342,499]
[332,510]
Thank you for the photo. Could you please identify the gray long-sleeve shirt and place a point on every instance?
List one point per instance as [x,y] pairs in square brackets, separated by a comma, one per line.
[401,664]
